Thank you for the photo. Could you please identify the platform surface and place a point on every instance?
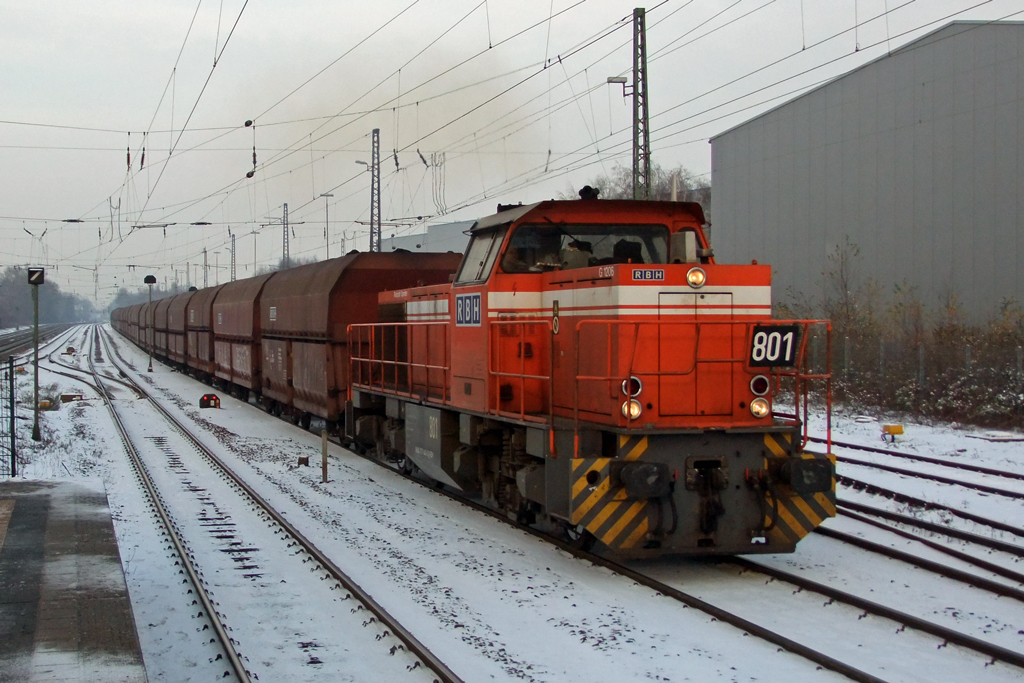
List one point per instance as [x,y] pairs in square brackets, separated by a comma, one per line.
[64,608]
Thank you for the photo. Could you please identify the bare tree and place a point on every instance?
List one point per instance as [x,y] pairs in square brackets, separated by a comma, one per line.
[690,187]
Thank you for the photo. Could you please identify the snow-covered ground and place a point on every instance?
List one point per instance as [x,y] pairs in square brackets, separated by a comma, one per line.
[496,604]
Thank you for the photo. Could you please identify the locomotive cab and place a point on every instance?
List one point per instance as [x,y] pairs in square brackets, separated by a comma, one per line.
[593,366]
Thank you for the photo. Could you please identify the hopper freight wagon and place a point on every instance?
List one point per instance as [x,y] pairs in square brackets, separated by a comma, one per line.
[282,337]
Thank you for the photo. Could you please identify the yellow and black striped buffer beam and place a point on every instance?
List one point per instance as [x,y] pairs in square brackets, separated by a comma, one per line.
[792,516]
[604,510]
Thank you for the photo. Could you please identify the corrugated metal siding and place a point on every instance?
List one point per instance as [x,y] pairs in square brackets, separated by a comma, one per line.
[916,157]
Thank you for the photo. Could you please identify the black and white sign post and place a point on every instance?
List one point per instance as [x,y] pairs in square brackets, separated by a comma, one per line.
[35,278]
[150,280]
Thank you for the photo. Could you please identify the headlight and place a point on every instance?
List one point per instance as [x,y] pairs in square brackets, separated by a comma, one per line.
[760,385]
[759,408]
[696,277]
[632,386]
[631,410]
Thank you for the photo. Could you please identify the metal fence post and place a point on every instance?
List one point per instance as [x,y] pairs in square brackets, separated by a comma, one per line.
[14,450]
[1020,369]
[920,365]
[846,356]
[881,357]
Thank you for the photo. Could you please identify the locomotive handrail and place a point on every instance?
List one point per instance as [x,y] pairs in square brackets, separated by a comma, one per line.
[799,372]
[357,361]
[495,358]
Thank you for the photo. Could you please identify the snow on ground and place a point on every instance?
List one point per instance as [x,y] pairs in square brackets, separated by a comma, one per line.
[494,603]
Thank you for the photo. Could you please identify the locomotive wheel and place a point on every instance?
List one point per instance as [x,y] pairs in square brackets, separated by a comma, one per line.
[578,537]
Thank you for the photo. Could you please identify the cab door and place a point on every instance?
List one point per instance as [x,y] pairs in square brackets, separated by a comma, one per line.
[469,326]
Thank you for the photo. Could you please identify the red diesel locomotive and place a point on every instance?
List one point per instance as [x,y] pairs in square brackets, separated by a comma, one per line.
[593,367]
[589,368]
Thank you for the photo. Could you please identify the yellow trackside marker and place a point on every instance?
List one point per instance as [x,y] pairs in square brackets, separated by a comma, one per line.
[638,533]
[773,446]
[638,450]
[6,508]
[825,504]
[602,517]
[599,491]
[627,517]
[810,514]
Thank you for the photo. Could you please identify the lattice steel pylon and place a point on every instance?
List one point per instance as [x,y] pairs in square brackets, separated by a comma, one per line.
[641,135]
[232,257]
[285,255]
[375,192]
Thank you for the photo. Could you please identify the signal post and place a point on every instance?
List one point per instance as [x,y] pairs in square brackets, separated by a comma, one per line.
[35,278]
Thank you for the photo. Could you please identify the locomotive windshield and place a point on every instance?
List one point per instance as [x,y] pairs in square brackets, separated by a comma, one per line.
[537,248]
[480,255]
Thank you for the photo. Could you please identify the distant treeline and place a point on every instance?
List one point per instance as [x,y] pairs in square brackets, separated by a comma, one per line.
[130,297]
[55,306]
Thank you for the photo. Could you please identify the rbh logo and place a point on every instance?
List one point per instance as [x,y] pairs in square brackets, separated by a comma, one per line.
[648,274]
[467,310]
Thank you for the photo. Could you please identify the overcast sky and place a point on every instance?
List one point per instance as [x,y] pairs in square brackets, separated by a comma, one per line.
[458,89]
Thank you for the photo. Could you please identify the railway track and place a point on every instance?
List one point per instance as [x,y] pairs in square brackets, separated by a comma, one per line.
[922,504]
[822,659]
[858,511]
[73,371]
[938,568]
[211,613]
[688,599]
[995,652]
[967,467]
[422,658]
[947,635]
[20,340]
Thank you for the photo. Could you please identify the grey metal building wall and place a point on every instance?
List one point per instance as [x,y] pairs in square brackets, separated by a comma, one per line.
[917,157]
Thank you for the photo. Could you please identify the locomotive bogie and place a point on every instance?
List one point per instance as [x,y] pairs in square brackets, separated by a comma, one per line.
[637,494]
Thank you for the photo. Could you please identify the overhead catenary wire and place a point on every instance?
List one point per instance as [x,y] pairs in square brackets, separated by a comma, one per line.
[670,127]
